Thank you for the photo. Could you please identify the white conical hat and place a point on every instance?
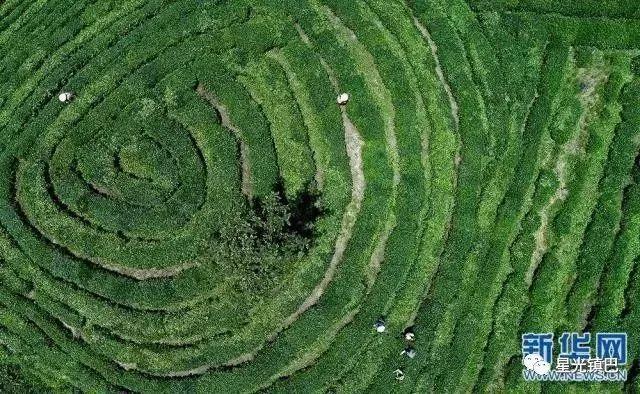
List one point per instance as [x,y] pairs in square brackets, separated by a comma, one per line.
[65,96]
[343,98]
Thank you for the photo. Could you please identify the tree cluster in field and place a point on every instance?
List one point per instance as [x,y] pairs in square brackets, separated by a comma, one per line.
[258,246]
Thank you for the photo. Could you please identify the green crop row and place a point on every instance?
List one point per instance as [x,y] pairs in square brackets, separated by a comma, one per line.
[402,243]
[604,226]
[556,272]
[525,249]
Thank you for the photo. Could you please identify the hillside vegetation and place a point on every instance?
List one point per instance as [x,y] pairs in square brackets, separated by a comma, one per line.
[203,217]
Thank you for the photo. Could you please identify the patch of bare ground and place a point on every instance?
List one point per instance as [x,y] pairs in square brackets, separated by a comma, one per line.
[127,366]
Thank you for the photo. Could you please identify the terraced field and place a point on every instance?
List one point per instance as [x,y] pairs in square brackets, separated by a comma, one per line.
[203,217]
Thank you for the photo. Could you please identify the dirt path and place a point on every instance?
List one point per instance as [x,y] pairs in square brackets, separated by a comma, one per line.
[247,188]
[309,358]
[434,51]
[456,158]
[150,273]
[367,67]
[354,151]
[455,110]
[136,273]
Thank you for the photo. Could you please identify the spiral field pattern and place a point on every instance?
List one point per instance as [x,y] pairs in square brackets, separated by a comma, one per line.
[480,183]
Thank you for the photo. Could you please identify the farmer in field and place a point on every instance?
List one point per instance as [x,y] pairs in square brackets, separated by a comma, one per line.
[66,97]
[409,352]
[343,99]
[409,335]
